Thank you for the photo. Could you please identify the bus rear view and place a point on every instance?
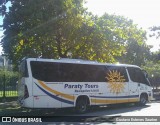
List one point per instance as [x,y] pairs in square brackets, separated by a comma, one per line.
[23,92]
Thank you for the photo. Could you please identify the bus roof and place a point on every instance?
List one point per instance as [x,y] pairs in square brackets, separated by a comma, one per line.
[79,61]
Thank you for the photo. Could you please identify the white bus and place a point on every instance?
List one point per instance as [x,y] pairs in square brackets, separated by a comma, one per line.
[50,83]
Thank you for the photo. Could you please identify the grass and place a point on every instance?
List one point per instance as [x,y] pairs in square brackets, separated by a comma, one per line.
[9,93]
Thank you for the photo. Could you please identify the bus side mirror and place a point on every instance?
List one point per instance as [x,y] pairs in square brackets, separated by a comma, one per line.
[145,73]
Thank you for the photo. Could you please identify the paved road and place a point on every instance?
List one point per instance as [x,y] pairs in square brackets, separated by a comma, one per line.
[100,116]
[151,109]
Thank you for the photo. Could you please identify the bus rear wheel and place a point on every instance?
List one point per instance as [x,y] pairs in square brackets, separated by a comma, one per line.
[82,104]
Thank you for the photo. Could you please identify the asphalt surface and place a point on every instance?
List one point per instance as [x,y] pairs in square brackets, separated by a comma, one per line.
[67,114]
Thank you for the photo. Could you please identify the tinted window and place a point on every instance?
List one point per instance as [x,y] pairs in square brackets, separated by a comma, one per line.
[137,75]
[66,72]
[83,73]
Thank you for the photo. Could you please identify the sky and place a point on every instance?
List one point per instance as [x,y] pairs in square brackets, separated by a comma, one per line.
[145,13]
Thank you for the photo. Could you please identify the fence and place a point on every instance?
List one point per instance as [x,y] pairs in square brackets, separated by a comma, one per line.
[8,84]
[9,91]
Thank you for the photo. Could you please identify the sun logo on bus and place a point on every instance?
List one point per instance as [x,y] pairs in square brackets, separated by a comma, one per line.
[116,81]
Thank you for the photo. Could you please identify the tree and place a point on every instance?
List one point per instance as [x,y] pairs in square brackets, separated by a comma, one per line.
[37,28]
[155,56]
[96,44]
[153,70]
[10,78]
[156,31]
[136,54]
[125,37]
[3,7]
[53,29]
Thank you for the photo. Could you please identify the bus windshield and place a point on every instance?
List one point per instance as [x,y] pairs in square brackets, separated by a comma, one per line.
[23,69]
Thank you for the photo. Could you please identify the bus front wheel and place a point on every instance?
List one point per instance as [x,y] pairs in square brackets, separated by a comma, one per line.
[143,99]
[82,104]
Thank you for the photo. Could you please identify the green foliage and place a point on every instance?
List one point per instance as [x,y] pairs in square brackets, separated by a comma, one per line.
[63,28]
[153,70]
[37,28]
[3,7]
[155,31]
[155,56]
[10,78]
[125,37]
[136,54]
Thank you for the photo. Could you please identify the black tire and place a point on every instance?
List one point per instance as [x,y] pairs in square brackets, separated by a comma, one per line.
[82,105]
[143,100]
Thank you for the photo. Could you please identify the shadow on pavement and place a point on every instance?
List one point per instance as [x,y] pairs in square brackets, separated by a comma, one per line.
[95,115]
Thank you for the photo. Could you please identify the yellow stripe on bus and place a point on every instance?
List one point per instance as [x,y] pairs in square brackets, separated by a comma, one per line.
[134,100]
[56,92]
[102,101]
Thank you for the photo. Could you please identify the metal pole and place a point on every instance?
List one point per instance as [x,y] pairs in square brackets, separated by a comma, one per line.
[4,85]
[4,79]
